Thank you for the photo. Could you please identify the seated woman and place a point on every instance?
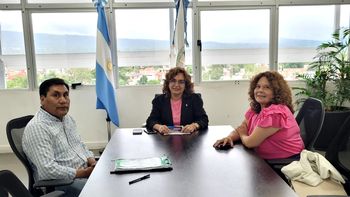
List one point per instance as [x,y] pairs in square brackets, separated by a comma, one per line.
[178,105]
[269,125]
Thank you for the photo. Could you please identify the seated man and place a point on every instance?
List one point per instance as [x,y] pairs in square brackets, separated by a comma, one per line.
[52,143]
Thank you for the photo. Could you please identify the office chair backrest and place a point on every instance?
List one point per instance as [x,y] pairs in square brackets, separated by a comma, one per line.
[14,131]
[338,152]
[310,119]
[9,183]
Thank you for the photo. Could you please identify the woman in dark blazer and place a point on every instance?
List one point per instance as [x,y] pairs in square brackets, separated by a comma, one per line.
[178,105]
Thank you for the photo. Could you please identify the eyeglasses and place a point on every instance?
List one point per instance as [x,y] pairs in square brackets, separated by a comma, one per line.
[179,82]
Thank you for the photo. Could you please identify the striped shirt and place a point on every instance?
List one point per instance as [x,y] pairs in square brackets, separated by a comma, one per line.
[54,147]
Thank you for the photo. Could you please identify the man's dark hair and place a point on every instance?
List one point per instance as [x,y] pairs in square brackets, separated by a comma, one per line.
[45,85]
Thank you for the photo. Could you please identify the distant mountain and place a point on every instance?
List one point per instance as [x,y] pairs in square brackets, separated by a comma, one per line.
[12,43]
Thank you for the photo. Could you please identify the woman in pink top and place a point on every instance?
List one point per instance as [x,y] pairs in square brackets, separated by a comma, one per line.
[269,125]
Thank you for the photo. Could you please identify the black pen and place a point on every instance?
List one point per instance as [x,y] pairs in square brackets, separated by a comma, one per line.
[140,179]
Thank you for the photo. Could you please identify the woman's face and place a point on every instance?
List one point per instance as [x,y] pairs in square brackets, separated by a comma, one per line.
[177,85]
[263,92]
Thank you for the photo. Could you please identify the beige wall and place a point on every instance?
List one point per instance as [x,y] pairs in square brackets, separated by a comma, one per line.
[225,103]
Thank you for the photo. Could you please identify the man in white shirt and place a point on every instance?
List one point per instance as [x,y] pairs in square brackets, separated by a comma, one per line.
[51,141]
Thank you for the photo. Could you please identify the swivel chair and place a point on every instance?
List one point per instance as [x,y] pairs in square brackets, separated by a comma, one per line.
[14,131]
[338,153]
[310,120]
[10,184]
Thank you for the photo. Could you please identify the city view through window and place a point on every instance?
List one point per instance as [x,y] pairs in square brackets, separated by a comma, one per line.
[65,44]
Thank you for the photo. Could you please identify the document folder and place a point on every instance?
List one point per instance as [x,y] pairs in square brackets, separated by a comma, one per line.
[162,163]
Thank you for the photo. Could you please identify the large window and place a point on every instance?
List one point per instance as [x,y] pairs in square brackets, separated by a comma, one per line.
[299,36]
[65,45]
[345,16]
[59,1]
[141,1]
[9,1]
[143,45]
[235,44]
[13,71]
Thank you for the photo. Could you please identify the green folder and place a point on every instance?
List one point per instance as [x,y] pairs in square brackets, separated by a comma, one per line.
[161,163]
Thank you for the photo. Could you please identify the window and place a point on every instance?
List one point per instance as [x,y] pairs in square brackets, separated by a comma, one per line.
[13,71]
[9,1]
[65,46]
[143,45]
[140,1]
[59,1]
[345,16]
[235,44]
[299,36]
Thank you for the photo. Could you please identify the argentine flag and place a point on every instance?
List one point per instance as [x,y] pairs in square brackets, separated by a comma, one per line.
[104,68]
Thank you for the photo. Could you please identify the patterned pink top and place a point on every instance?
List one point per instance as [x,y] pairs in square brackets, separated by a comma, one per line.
[285,142]
[176,111]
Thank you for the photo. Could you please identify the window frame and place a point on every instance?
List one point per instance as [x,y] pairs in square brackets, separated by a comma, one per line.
[197,6]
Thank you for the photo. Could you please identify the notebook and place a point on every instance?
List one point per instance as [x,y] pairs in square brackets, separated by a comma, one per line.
[161,163]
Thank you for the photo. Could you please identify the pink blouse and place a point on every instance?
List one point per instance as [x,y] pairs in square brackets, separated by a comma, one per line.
[285,142]
[176,111]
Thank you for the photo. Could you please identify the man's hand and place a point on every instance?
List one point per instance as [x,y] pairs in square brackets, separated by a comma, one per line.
[83,172]
[91,162]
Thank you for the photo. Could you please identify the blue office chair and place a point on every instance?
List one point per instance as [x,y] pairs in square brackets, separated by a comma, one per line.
[14,131]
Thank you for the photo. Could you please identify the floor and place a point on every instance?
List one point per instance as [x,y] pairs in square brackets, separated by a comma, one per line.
[9,161]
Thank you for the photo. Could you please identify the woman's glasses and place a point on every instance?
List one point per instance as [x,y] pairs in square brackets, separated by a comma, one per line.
[179,82]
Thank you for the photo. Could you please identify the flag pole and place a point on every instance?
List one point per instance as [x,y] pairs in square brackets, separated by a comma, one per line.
[109,131]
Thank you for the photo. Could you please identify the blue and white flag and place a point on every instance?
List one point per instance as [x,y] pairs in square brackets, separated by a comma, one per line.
[104,67]
[180,33]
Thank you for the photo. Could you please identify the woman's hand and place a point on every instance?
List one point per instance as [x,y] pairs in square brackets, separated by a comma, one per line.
[162,129]
[226,141]
[190,128]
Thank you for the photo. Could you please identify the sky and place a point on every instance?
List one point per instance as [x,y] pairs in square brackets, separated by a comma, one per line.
[295,22]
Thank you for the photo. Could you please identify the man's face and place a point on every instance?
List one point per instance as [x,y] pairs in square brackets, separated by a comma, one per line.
[56,101]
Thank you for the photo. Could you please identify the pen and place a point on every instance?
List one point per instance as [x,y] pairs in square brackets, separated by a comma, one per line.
[140,179]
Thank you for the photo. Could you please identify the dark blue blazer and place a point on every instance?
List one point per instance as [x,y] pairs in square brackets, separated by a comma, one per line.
[191,111]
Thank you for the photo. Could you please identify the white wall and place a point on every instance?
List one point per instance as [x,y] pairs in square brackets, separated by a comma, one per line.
[225,103]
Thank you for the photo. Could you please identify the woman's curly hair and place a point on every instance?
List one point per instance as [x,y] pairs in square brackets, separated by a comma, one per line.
[171,74]
[281,91]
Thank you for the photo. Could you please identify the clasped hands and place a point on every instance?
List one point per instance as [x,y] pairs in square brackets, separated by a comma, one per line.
[190,128]
[84,172]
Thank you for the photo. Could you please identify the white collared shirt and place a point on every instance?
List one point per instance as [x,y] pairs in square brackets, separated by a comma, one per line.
[54,147]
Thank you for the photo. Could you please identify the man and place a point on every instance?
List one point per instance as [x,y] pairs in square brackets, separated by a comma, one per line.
[51,141]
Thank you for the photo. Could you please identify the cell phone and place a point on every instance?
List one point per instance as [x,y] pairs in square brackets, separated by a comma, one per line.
[175,128]
[137,131]
[148,131]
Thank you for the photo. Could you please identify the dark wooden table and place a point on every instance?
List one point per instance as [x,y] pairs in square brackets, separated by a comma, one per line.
[198,169]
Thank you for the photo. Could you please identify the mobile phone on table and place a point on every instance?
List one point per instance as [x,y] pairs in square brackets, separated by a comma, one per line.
[137,131]
[149,131]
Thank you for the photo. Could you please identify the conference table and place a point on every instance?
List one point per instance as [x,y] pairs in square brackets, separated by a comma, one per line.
[198,168]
